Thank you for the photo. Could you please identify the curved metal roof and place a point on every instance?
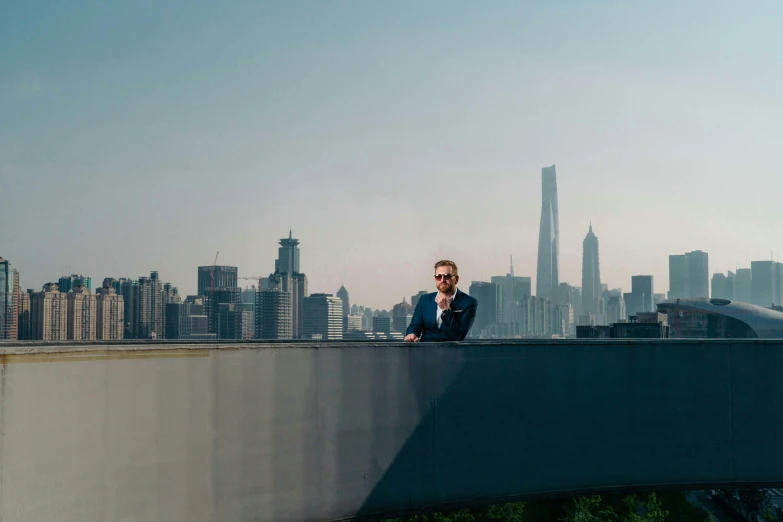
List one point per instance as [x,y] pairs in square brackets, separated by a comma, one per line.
[767,323]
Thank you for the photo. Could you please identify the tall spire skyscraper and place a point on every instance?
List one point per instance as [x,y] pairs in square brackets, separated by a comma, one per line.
[548,275]
[591,272]
[287,261]
[287,278]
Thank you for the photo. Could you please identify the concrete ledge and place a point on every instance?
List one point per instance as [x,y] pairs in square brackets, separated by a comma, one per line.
[256,430]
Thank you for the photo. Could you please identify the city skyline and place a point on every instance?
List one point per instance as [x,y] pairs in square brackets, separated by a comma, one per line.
[126,151]
[663,286]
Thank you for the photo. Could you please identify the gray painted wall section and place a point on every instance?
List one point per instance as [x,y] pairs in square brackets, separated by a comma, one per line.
[256,432]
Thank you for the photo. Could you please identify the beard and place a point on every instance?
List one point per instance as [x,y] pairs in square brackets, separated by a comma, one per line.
[446,288]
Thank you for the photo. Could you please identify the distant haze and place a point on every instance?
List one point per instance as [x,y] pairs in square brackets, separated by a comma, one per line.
[147,135]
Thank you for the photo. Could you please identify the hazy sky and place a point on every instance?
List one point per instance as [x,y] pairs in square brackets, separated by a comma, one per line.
[147,135]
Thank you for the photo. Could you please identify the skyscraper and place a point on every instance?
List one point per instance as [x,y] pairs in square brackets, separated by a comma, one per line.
[591,272]
[81,314]
[354,323]
[24,313]
[698,273]
[548,273]
[224,277]
[158,307]
[540,318]
[381,324]
[8,310]
[615,309]
[295,285]
[176,324]
[287,278]
[489,297]
[249,313]
[288,255]
[642,296]
[342,293]
[149,301]
[678,276]
[765,283]
[110,314]
[401,316]
[188,320]
[723,286]
[49,315]
[248,323]
[415,298]
[67,283]
[224,312]
[514,289]
[142,302]
[273,315]
[323,317]
[689,275]
[170,294]
[21,305]
[743,280]
[129,290]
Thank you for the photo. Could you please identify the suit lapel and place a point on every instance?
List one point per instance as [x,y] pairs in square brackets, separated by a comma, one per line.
[434,311]
[457,300]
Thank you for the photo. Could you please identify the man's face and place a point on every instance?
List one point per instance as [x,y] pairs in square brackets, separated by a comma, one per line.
[445,279]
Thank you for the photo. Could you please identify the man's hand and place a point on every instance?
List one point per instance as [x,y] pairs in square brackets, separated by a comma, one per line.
[411,338]
[443,301]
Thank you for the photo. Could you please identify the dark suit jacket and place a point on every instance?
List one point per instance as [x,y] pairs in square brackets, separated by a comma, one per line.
[456,321]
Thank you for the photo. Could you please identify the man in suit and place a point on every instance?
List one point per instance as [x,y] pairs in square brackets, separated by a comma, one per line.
[445,315]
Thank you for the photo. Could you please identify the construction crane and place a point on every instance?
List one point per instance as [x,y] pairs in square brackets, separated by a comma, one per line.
[253,278]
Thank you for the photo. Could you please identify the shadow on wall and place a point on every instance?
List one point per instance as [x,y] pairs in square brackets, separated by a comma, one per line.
[384,394]
[522,420]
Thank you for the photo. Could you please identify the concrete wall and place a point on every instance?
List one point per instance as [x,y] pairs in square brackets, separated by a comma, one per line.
[256,432]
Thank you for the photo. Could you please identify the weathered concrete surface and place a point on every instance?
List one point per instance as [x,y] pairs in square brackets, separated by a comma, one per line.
[256,432]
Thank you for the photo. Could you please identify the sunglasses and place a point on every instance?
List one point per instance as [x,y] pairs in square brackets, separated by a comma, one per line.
[447,277]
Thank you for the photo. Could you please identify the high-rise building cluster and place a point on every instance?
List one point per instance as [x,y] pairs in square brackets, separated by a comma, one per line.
[146,300]
[57,315]
[761,284]
[507,305]
[283,308]
[507,308]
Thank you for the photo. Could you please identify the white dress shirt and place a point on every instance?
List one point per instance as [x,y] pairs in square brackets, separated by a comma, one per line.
[439,311]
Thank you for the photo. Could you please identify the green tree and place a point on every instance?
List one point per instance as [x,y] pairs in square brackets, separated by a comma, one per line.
[655,511]
[617,509]
[510,512]
[586,509]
